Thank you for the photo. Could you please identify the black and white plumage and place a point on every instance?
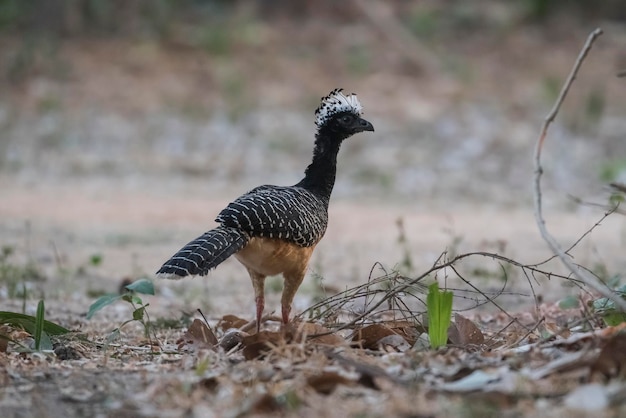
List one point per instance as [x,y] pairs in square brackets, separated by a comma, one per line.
[205,252]
[293,214]
[274,229]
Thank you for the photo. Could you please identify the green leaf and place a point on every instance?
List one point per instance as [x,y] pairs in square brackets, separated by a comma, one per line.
[439,306]
[143,286]
[101,302]
[138,313]
[614,318]
[569,302]
[39,324]
[130,298]
[606,308]
[603,305]
[27,322]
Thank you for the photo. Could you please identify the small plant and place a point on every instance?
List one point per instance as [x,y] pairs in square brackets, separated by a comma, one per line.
[608,311]
[36,326]
[141,286]
[439,307]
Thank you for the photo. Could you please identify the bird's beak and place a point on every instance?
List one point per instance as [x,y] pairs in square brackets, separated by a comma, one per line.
[363,125]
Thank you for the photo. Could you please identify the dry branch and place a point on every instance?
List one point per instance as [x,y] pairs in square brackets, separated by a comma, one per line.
[576,271]
[378,296]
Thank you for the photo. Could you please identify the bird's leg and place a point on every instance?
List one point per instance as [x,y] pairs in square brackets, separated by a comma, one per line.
[292,283]
[286,309]
[260,305]
[258,283]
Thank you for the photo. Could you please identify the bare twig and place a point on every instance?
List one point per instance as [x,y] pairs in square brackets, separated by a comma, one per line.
[578,273]
[376,296]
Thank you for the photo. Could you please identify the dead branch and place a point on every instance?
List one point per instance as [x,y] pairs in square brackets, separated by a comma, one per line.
[578,273]
[377,295]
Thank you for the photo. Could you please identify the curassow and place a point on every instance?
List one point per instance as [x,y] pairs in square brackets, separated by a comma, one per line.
[274,229]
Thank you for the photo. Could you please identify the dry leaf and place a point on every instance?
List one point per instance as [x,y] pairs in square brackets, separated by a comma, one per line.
[326,382]
[300,330]
[198,335]
[256,345]
[611,361]
[370,336]
[463,332]
[232,321]
[410,331]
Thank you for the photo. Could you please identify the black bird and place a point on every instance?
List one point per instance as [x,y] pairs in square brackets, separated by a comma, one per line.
[274,229]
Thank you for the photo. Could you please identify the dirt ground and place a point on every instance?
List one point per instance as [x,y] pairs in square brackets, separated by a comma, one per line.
[134,147]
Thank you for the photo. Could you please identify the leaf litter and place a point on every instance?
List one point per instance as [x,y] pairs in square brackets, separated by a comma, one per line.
[339,365]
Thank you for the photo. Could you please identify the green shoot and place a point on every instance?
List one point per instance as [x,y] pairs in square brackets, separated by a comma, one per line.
[142,286]
[36,326]
[39,320]
[439,306]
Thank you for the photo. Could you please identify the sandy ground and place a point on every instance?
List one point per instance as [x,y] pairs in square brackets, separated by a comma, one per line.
[62,225]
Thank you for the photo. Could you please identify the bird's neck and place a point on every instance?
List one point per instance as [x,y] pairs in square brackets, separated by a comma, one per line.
[319,176]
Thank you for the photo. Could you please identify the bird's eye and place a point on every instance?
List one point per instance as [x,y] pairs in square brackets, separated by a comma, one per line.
[346,119]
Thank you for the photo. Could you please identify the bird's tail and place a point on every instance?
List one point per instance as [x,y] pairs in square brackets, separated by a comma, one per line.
[204,253]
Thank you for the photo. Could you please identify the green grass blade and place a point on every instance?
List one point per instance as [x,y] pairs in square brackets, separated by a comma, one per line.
[39,322]
[439,306]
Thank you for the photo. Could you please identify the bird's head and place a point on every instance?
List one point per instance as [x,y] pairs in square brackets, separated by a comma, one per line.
[341,115]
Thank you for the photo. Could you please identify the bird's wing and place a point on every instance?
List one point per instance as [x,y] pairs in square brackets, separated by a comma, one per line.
[290,213]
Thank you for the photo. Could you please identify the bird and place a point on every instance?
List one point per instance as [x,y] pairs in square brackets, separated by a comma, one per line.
[273,230]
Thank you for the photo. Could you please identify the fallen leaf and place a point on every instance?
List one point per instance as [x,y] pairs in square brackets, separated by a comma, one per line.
[327,382]
[256,345]
[611,362]
[410,331]
[232,321]
[368,337]
[298,331]
[463,332]
[198,335]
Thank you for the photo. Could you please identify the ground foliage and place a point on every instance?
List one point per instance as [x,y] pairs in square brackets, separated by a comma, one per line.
[335,359]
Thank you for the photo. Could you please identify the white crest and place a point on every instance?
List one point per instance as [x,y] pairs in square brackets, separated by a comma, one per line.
[337,102]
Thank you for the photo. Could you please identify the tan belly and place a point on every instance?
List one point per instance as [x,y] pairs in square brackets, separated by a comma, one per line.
[269,257]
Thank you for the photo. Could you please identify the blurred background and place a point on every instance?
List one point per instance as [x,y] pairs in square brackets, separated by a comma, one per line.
[125,126]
